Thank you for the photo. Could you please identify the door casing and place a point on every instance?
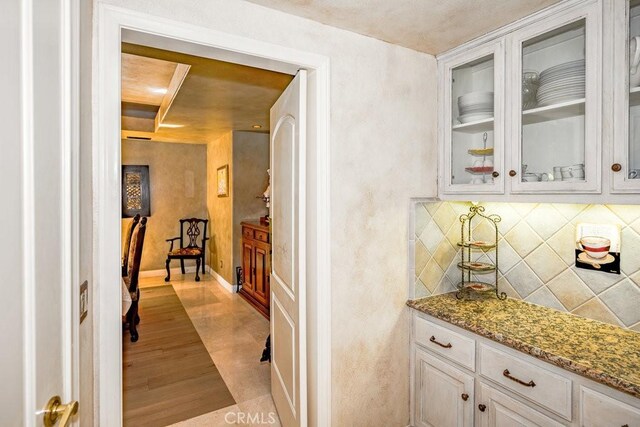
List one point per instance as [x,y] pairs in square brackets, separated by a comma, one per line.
[110,22]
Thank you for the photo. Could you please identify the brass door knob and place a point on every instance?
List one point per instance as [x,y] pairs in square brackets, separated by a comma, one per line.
[512,172]
[616,167]
[495,174]
[482,407]
[55,409]
[465,396]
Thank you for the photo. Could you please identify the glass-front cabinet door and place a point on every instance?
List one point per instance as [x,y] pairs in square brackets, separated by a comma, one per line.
[625,161]
[472,87]
[555,103]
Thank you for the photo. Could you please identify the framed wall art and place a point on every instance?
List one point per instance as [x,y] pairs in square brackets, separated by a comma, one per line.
[136,196]
[223,181]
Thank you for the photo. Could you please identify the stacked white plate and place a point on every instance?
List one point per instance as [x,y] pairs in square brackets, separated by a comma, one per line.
[561,83]
[475,106]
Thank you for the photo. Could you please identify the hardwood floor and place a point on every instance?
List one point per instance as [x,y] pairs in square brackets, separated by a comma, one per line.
[168,375]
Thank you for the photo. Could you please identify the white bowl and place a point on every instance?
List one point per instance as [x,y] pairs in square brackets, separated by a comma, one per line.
[473,98]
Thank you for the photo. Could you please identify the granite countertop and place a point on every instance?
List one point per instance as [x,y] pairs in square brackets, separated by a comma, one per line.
[604,353]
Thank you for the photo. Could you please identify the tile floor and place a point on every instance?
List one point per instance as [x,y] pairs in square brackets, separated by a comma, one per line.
[234,334]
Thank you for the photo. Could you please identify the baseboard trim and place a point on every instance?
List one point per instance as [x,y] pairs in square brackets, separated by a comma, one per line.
[156,273]
[228,286]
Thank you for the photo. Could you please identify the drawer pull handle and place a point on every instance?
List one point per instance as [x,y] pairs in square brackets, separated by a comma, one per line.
[626,425]
[507,374]
[482,407]
[465,397]
[433,340]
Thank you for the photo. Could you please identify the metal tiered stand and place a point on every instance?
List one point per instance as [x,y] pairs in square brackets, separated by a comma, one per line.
[471,288]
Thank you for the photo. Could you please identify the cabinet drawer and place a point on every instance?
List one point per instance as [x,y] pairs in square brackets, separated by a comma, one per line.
[445,342]
[247,232]
[261,235]
[537,384]
[598,409]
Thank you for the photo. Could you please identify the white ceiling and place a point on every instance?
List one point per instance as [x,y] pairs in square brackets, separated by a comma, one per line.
[431,26]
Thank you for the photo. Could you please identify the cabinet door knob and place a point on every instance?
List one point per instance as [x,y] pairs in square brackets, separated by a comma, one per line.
[482,407]
[465,396]
[495,174]
[512,172]
[616,167]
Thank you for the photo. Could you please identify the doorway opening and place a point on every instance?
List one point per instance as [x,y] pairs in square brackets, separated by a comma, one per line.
[195,153]
[314,237]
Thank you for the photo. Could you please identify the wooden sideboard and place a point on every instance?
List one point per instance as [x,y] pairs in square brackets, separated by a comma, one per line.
[256,265]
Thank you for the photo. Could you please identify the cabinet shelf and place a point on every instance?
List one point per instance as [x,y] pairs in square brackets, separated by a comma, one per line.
[563,110]
[484,125]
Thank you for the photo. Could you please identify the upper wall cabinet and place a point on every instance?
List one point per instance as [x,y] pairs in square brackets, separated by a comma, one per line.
[625,157]
[554,100]
[521,113]
[472,86]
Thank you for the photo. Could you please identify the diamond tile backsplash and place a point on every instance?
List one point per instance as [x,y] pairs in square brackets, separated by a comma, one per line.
[536,256]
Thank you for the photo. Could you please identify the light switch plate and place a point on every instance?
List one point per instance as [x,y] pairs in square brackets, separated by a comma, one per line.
[84,300]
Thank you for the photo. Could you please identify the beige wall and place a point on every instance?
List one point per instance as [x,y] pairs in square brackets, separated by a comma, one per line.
[178,181]
[536,256]
[383,151]
[220,209]
[250,179]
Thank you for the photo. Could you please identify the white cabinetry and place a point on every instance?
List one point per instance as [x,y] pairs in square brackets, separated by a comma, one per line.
[499,410]
[624,167]
[566,113]
[444,393]
[598,409]
[462,379]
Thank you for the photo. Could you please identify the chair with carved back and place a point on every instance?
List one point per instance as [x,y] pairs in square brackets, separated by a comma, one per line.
[126,244]
[196,232]
[131,279]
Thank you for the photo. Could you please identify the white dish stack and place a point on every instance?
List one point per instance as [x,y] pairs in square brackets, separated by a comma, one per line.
[561,83]
[475,106]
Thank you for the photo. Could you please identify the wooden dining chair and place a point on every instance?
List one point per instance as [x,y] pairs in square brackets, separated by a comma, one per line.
[195,228]
[131,279]
[126,243]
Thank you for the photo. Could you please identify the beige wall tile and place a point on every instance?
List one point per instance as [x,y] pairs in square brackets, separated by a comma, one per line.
[595,309]
[623,299]
[445,217]
[523,280]
[422,256]
[523,239]
[431,275]
[545,220]
[542,270]
[570,290]
[444,254]
[543,296]
[545,263]
[563,243]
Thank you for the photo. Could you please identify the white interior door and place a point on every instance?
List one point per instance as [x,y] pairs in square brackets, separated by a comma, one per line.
[288,296]
[47,218]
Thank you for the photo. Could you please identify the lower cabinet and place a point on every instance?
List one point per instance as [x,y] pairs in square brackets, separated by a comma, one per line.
[256,266]
[461,379]
[496,409]
[598,410]
[444,394]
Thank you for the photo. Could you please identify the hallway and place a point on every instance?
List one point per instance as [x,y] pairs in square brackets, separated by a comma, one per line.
[234,335]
